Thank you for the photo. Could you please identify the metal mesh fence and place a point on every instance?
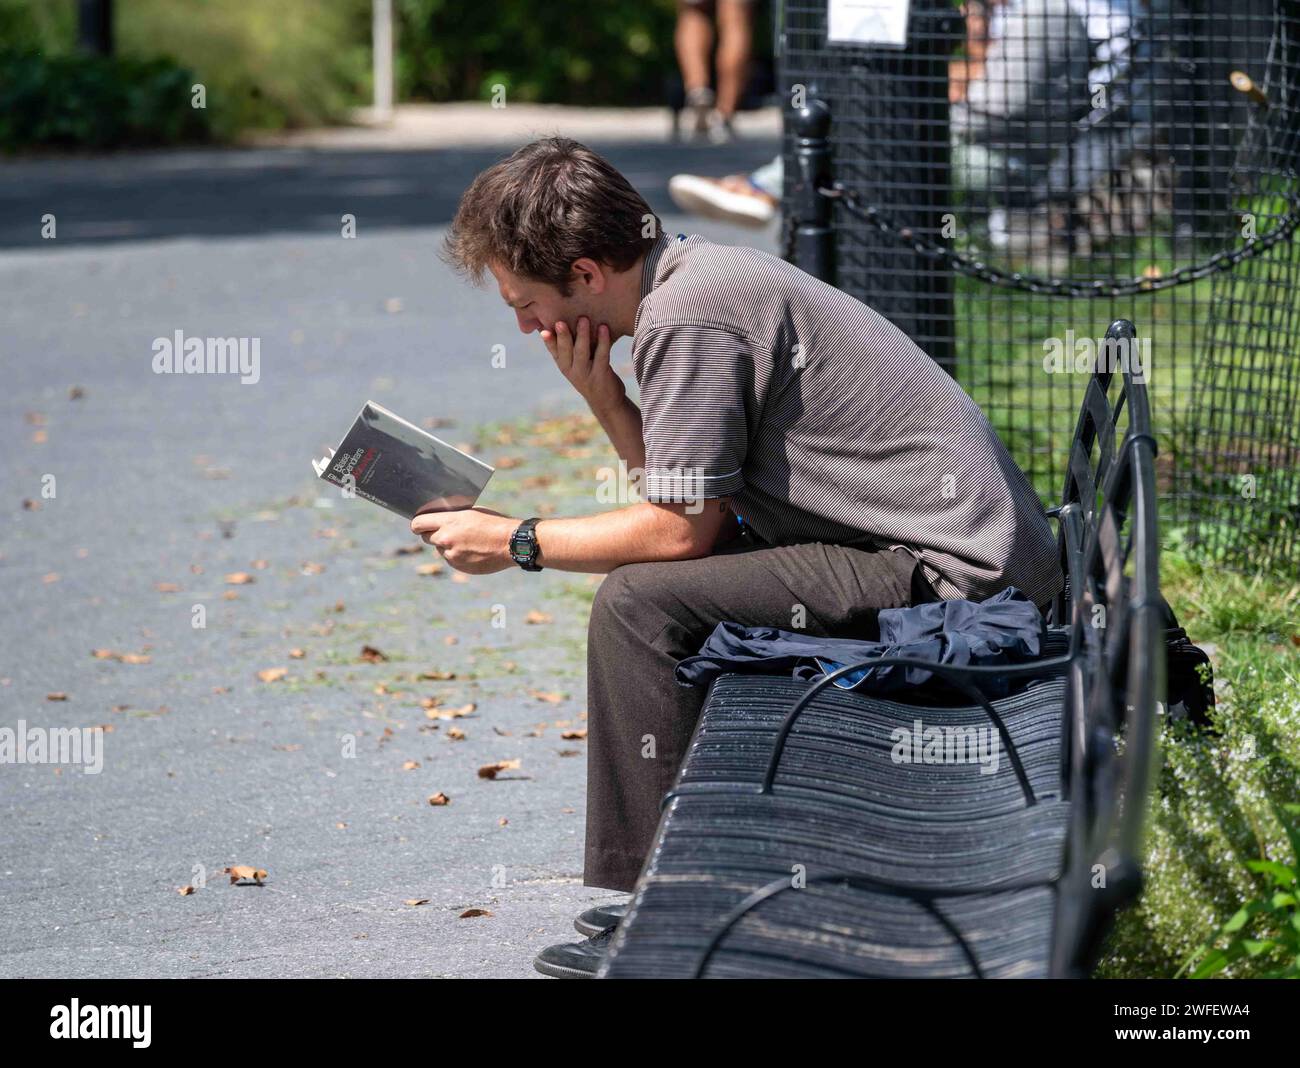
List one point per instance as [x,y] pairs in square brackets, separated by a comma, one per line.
[1023,172]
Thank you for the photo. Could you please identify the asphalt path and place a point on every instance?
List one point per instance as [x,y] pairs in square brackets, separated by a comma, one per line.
[129,500]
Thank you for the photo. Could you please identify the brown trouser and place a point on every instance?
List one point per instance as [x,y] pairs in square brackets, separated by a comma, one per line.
[648,616]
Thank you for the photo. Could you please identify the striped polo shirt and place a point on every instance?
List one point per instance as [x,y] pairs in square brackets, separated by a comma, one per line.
[822,421]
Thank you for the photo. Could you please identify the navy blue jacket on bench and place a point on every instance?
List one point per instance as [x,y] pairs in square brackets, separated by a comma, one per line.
[1005,629]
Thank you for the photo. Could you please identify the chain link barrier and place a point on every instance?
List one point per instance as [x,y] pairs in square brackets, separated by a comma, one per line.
[1058,287]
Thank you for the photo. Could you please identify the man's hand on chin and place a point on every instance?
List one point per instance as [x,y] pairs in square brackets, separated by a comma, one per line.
[473,540]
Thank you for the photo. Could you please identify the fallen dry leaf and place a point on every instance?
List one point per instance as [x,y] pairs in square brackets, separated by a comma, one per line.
[274,674]
[429,569]
[239,578]
[311,568]
[469,914]
[456,734]
[124,658]
[450,639]
[185,890]
[297,654]
[459,576]
[553,697]
[243,871]
[410,765]
[436,676]
[30,505]
[439,799]
[58,695]
[260,565]
[408,550]
[538,617]
[451,713]
[372,655]
[491,771]
[166,587]
[505,463]
[575,735]
[502,822]
[416,901]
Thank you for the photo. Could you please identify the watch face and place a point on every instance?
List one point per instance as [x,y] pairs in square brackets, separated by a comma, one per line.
[522,546]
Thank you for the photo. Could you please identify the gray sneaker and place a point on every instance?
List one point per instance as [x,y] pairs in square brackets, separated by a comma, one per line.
[593,921]
[575,960]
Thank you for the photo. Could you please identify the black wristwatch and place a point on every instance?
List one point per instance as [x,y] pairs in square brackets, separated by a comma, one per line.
[524,549]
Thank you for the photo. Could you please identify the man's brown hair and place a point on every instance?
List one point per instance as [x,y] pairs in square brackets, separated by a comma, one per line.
[550,203]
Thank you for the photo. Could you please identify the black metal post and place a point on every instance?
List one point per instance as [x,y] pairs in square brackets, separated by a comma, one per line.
[814,239]
[95,26]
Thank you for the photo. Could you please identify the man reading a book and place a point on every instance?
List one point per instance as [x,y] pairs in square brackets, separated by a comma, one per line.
[805,466]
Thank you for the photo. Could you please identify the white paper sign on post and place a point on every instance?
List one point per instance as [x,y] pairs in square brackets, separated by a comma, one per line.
[867,22]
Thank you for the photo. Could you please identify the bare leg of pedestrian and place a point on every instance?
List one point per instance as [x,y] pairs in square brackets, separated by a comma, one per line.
[693,40]
[735,45]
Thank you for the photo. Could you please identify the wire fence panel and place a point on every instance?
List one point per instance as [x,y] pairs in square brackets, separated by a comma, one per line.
[1019,173]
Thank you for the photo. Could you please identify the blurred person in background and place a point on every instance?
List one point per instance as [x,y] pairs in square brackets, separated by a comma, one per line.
[1024,82]
[710,111]
[754,199]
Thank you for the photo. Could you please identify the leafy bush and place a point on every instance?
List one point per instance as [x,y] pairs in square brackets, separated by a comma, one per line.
[1266,930]
[1222,791]
[95,102]
[596,53]
[264,65]
[290,63]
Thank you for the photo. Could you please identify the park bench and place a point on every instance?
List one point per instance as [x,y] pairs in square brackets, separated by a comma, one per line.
[794,845]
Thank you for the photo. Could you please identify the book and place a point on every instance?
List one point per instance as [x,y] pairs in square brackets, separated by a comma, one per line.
[398,466]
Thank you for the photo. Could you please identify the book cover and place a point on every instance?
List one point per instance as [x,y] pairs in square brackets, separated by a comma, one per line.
[393,463]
